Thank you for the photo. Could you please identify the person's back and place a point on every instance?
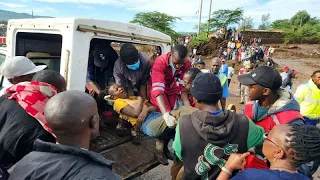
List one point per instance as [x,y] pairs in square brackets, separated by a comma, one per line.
[18,131]
[21,116]
[206,138]
[73,117]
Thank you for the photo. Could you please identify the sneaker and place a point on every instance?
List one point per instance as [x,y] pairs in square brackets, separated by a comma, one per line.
[137,139]
[241,103]
[159,153]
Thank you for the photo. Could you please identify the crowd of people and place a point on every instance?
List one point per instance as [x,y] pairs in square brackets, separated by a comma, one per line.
[45,130]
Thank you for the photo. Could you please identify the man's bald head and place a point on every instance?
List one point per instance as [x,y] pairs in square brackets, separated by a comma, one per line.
[51,77]
[72,114]
[216,64]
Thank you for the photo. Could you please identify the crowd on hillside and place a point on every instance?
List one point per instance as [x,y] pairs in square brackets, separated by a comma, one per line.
[45,130]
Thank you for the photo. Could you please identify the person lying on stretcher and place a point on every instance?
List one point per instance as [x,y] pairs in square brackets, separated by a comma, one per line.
[143,117]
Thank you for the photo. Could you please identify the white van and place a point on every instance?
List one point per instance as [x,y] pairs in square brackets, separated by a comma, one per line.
[63,45]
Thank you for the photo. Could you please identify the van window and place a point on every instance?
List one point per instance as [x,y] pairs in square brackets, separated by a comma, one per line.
[41,48]
[2,58]
[104,76]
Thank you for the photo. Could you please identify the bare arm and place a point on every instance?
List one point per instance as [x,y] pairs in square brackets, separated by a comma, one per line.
[235,161]
[145,111]
[95,87]
[161,104]
[223,102]
[143,91]
[133,111]
[185,99]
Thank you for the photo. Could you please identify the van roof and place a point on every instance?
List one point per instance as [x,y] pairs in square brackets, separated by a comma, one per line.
[93,25]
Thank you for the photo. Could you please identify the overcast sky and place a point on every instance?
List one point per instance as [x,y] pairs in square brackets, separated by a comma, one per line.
[124,10]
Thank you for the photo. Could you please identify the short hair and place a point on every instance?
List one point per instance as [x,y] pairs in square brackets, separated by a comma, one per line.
[315,72]
[305,142]
[51,77]
[212,103]
[200,62]
[193,72]
[181,50]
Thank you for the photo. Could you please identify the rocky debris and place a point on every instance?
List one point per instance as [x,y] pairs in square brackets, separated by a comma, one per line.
[211,48]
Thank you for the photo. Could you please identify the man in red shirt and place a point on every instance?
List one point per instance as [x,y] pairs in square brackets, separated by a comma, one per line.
[166,85]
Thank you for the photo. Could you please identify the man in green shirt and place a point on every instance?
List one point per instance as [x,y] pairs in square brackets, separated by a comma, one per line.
[205,139]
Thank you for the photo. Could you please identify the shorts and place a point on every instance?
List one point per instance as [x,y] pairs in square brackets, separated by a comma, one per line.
[153,125]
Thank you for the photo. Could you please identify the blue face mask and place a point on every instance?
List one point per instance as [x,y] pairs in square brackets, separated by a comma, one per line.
[134,66]
[172,66]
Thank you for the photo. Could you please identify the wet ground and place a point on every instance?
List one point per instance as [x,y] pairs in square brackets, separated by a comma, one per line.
[303,58]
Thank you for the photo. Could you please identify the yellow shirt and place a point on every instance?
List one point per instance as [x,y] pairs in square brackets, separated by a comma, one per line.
[119,104]
[238,45]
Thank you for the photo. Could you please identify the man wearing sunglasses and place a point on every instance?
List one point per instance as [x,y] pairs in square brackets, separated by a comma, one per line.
[269,105]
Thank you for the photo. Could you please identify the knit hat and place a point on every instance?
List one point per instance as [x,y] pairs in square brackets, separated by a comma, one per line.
[129,54]
[206,87]
[286,68]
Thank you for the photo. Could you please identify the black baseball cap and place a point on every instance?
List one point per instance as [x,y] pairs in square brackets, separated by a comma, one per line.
[129,53]
[265,76]
[101,56]
[206,87]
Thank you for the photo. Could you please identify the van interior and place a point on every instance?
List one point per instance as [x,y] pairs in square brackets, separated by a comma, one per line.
[45,49]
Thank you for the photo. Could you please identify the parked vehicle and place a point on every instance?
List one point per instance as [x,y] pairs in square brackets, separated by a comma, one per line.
[64,45]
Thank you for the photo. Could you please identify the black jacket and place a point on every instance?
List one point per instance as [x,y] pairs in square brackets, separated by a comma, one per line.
[18,131]
[52,161]
[217,135]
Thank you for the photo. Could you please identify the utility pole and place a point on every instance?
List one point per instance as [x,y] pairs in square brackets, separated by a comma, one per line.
[200,12]
[32,14]
[209,16]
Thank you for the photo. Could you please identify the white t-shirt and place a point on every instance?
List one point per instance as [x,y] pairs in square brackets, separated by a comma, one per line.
[229,44]
[233,45]
[246,63]
[205,70]
[230,72]
[194,51]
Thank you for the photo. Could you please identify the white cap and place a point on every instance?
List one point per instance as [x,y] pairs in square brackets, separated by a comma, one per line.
[19,66]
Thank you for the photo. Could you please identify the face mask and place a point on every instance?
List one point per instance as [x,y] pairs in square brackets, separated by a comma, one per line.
[172,66]
[134,66]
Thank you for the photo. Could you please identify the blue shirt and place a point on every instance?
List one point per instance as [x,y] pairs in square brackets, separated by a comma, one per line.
[225,88]
[261,174]
[224,69]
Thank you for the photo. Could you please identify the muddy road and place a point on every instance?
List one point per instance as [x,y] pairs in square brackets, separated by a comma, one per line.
[305,59]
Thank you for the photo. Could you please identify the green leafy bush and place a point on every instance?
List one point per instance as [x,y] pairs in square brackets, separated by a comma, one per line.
[198,40]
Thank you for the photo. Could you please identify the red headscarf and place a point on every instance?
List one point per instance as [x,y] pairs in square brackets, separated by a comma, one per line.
[32,97]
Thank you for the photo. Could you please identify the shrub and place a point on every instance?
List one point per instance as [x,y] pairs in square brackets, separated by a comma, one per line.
[198,40]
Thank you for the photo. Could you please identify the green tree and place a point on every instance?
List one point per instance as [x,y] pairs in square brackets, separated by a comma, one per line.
[301,18]
[265,19]
[3,22]
[246,23]
[281,24]
[157,21]
[225,17]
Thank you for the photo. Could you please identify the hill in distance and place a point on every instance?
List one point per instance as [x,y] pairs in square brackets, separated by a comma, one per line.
[6,15]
